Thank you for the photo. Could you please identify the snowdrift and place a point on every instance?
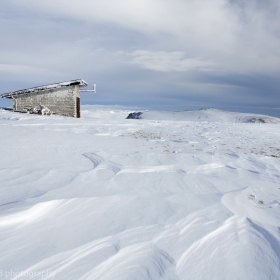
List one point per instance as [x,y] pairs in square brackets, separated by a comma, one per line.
[104,197]
[203,115]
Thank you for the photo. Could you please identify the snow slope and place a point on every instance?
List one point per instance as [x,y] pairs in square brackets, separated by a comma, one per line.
[104,197]
[208,115]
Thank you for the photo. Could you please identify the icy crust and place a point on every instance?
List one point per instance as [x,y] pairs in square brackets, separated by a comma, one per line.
[208,115]
[110,198]
[78,82]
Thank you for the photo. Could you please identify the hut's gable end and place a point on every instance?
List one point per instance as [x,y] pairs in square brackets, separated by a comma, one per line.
[61,101]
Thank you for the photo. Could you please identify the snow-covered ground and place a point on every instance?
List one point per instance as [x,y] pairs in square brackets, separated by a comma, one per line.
[170,196]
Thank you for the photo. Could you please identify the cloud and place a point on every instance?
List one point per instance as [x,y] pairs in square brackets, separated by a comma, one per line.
[240,36]
[176,17]
[169,61]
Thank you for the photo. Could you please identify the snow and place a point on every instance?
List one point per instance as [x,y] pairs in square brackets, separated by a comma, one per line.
[10,95]
[174,195]
[208,115]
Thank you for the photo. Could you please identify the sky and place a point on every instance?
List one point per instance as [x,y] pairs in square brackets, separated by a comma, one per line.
[153,54]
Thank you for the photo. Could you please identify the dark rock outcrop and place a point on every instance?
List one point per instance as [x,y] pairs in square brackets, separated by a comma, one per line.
[134,115]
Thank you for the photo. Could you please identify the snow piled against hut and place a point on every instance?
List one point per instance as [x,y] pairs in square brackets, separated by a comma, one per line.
[164,197]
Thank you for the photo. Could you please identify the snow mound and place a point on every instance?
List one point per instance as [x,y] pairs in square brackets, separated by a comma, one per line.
[103,197]
[203,115]
[8,115]
[104,112]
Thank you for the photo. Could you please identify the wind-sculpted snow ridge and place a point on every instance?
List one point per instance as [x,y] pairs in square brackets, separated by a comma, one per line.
[205,115]
[111,198]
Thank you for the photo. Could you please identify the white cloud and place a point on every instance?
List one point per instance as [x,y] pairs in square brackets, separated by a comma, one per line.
[240,36]
[148,16]
[169,61]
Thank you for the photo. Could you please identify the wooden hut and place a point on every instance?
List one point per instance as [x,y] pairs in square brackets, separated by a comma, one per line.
[55,99]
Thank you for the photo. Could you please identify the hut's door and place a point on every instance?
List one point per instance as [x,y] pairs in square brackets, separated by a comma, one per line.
[78,102]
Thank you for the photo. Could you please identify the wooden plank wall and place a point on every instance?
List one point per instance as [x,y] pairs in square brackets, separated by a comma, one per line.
[59,101]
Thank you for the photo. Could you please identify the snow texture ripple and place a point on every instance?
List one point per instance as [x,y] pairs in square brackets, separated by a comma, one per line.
[173,195]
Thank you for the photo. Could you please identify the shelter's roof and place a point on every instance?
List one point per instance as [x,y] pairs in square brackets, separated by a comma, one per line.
[78,82]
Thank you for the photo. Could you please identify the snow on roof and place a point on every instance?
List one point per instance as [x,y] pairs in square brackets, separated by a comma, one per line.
[78,82]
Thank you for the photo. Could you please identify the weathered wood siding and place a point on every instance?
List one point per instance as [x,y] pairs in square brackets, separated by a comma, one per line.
[59,101]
